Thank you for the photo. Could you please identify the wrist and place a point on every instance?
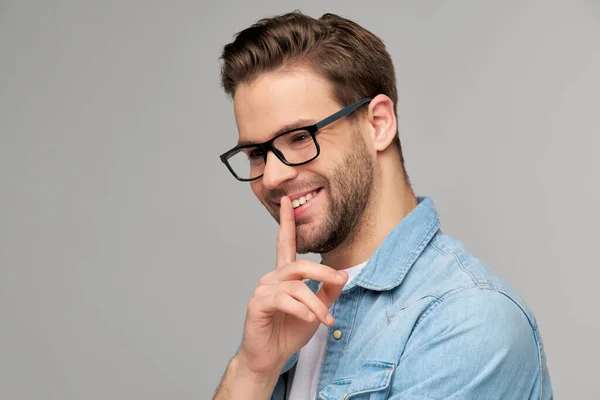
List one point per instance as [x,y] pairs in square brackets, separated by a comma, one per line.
[252,383]
[252,372]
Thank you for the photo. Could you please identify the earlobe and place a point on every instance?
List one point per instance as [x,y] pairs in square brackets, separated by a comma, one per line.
[383,121]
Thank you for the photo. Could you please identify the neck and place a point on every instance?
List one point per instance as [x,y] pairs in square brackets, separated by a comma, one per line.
[390,202]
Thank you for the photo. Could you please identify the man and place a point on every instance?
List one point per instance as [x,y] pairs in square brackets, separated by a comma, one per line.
[397,309]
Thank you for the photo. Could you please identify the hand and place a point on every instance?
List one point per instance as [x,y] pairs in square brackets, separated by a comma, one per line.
[283,314]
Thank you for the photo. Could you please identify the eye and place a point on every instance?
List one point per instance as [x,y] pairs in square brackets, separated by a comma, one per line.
[255,153]
[300,137]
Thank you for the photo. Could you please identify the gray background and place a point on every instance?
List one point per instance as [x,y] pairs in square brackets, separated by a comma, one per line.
[128,252]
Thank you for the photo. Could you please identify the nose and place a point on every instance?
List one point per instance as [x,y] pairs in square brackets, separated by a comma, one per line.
[276,172]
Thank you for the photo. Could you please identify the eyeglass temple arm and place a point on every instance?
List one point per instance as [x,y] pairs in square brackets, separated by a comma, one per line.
[342,113]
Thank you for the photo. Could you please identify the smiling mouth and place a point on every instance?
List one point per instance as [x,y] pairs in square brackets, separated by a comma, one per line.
[304,199]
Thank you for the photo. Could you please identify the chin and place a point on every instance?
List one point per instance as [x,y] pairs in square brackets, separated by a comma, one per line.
[309,238]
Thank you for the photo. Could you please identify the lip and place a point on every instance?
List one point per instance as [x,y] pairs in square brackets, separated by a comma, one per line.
[296,196]
[309,206]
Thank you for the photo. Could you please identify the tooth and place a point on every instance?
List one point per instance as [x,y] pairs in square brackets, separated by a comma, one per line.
[302,200]
[309,196]
[295,203]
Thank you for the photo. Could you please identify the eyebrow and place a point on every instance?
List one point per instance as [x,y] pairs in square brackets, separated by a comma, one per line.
[295,125]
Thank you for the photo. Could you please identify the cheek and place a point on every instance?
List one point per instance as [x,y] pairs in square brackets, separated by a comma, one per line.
[333,148]
[327,162]
[257,189]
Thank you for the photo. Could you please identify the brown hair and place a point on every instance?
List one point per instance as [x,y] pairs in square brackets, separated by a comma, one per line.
[352,59]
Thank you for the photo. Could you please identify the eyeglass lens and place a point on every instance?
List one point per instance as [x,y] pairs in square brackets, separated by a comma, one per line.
[296,147]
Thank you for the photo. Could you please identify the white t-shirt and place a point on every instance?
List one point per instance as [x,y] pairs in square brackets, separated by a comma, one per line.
[308,366]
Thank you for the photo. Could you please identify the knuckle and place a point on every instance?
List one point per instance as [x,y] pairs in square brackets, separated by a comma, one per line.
[259,291]
[252,304]
[329,273]
[262,281]
[286,266]
[332,274]
[327,269]
[301,267]
[266,278]
[320,308]
[279,298]
[297,286]
[284,240]
[303,263]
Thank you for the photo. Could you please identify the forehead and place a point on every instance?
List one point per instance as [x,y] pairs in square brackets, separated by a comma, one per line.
[281,99]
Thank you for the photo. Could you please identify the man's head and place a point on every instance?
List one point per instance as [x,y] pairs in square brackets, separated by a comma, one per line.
[293,71]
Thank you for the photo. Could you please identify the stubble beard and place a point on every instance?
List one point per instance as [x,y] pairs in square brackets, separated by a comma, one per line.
[348,189]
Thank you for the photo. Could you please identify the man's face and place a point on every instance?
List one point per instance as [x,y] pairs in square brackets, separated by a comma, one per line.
[341,176]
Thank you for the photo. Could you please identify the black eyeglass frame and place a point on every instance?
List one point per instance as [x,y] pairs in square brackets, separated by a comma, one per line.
[311,129]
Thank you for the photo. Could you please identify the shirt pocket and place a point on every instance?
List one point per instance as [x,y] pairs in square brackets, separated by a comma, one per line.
[371,382]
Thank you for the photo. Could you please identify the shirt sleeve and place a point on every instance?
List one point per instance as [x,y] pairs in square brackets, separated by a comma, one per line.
[475,344]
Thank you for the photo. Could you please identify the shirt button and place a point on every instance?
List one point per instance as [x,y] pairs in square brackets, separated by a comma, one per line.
[337,334]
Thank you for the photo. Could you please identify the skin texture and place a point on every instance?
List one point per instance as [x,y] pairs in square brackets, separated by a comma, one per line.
[356,160]
[346,189]
[363,196]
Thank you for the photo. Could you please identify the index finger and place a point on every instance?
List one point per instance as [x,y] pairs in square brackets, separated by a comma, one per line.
[286,239]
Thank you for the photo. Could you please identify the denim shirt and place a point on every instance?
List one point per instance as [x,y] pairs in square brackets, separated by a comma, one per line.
[425,319]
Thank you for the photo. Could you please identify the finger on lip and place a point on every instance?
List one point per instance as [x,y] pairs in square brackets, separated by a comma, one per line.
[296,196]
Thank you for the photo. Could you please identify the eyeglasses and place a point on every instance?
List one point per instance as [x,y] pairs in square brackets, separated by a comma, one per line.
[294,147]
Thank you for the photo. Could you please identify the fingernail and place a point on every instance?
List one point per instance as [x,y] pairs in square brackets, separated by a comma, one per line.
[330,320]
[340,277]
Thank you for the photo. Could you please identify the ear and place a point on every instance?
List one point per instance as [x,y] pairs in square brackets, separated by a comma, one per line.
[383,122]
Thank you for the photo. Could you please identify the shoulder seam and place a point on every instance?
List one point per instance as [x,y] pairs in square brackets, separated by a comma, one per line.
[459,262]
[532,324]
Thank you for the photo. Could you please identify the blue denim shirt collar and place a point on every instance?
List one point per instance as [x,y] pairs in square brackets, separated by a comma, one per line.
[392,260]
